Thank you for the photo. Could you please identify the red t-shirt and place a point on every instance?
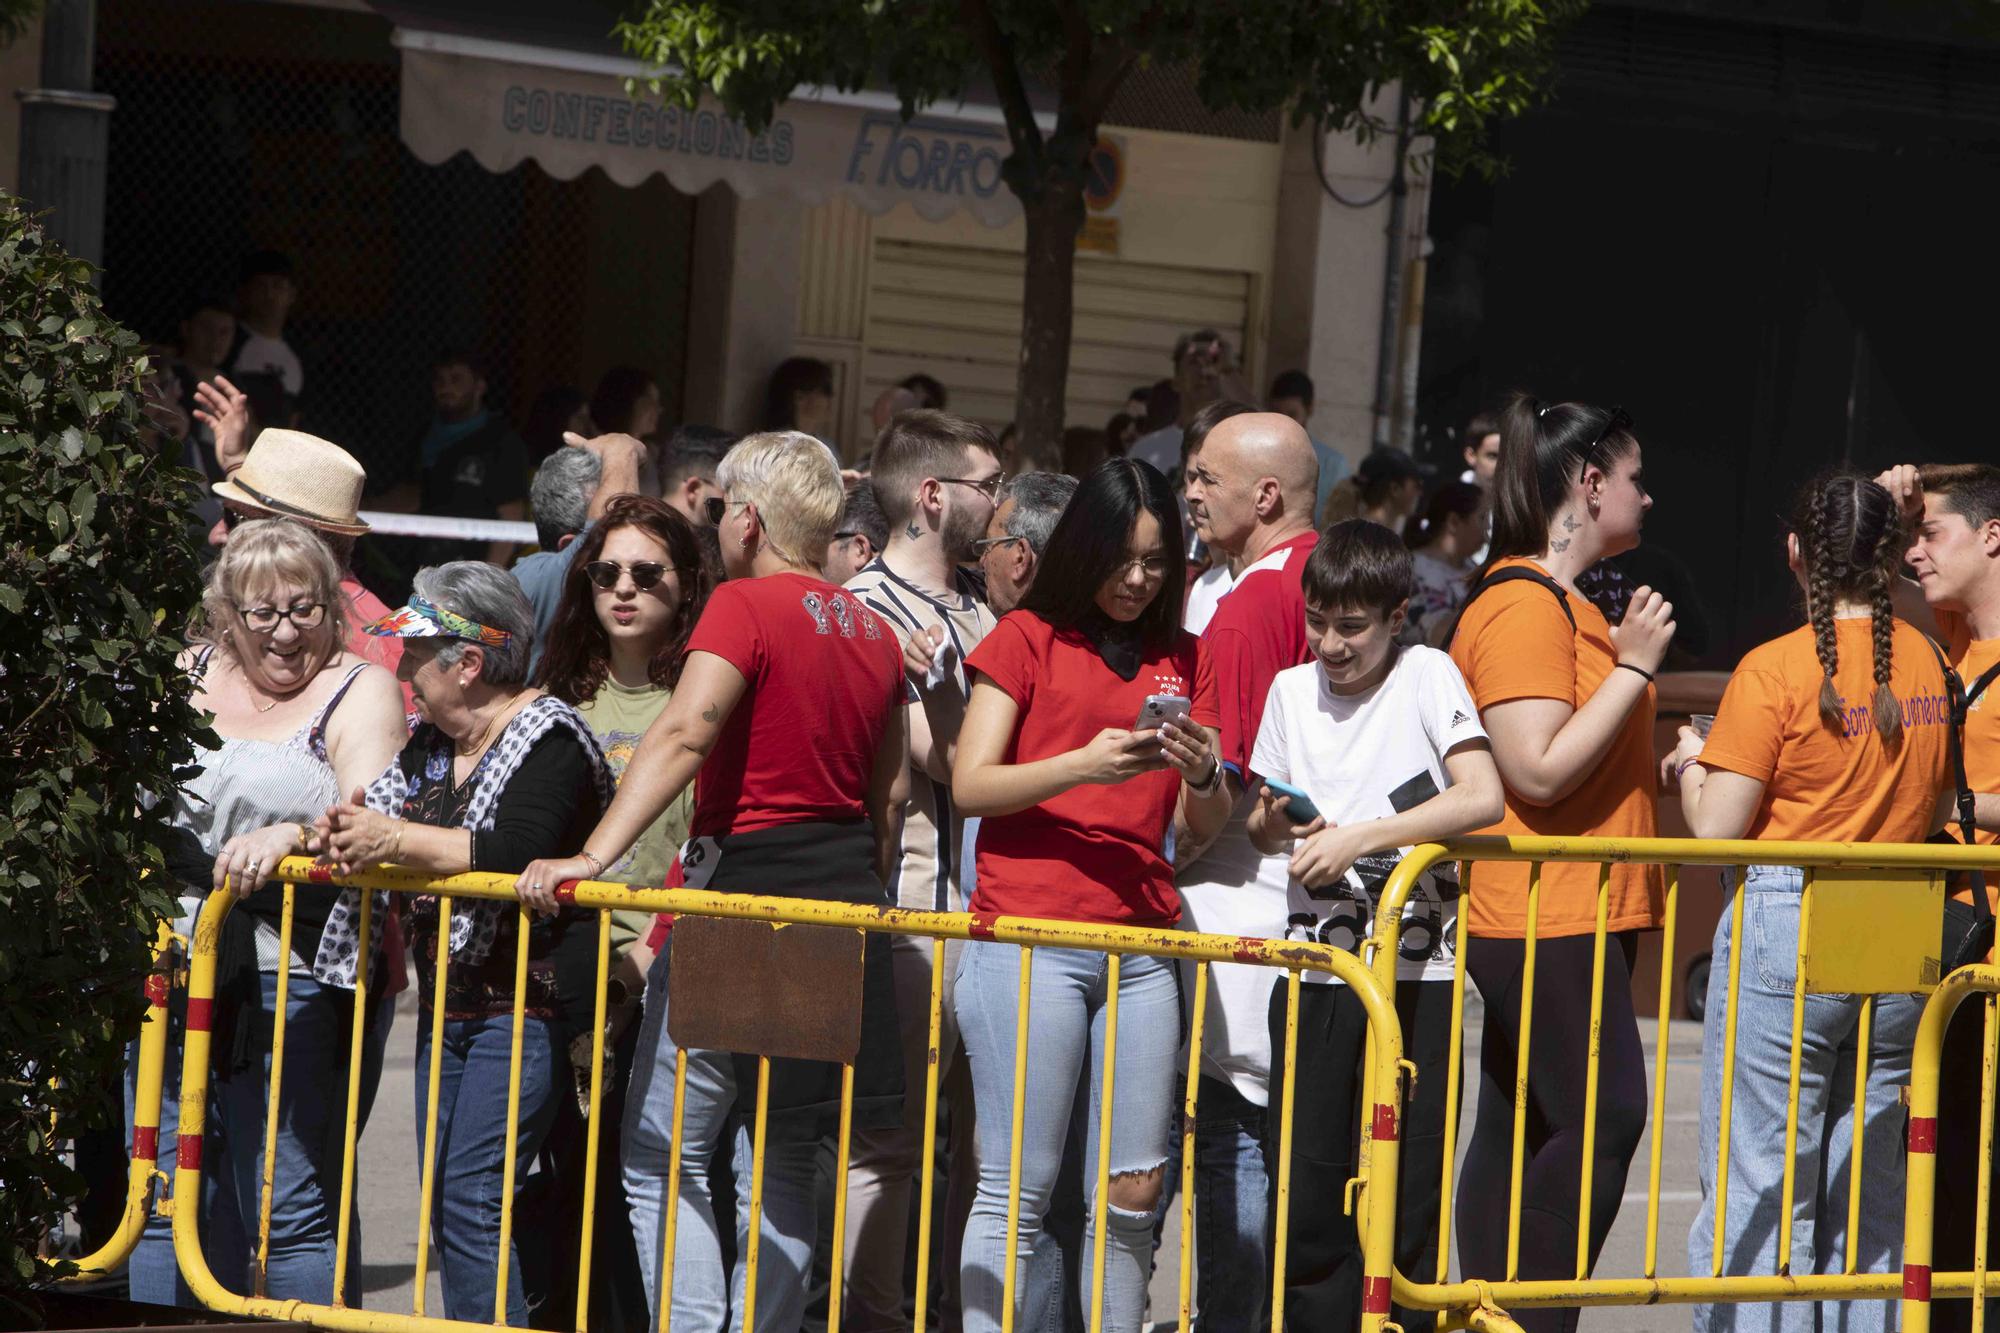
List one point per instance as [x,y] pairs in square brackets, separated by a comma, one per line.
[1258,630]
[800,745]
[1094,853]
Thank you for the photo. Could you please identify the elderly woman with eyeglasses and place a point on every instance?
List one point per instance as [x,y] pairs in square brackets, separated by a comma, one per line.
[497,775]
[296,719]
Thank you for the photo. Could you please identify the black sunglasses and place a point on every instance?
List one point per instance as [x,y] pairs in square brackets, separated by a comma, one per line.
[1619,420]
[604,573]
[716,507]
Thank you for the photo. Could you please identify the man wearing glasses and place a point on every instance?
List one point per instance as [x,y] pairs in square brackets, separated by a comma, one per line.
[936,477]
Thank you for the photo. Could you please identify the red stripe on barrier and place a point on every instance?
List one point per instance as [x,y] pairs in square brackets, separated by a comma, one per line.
[1249,949]
[982,925]
[1923,1133]
[1385,1123]
[146,1141]
[1374,1295]
[156,991]
[321,873]
[190,1152]
[566,892]
[1916,1282]
[201,1015]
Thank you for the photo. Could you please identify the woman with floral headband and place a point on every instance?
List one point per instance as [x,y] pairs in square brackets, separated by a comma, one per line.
[496,775]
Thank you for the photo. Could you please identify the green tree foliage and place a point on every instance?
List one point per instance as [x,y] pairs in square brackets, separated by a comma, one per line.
[98,575]
[1463,63]
[15,15]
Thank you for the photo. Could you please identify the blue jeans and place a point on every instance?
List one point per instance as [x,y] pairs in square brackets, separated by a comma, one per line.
[705,1296]
[1232,1191]
[1829,1043]
[471,1147]
[1067,1001]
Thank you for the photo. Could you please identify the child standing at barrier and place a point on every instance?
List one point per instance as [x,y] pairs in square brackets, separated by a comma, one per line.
[1568,702]
[1385,742]
[1835,732]
[1078,797]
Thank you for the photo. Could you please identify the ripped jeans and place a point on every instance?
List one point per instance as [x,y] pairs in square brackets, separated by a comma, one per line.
[1067,1013]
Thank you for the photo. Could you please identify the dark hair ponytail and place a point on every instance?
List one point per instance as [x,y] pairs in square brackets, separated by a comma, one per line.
[1543,448]
[1850,541]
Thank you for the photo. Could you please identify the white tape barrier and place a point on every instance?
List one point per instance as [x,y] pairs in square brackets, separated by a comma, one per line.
[458,529]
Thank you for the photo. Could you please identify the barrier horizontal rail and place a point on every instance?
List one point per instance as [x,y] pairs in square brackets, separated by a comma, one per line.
[1480,1302]
[1377,1163]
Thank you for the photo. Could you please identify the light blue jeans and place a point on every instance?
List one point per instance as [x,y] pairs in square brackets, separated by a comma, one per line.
[1067,1003]
[1829,1046]
[704,1295]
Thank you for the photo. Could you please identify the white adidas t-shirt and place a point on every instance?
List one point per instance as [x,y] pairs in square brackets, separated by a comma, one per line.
[1367,756]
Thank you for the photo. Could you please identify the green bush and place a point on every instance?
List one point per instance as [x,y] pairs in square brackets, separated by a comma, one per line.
[98,577]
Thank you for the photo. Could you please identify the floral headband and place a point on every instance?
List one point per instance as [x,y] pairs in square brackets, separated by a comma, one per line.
[421,620]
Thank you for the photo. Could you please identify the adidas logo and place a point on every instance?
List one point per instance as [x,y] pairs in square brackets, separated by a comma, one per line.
[1458,717]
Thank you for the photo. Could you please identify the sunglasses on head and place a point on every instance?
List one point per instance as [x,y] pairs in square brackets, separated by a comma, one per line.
[1619,420]
[605,573]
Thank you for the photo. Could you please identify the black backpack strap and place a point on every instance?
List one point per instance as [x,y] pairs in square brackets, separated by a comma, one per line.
[1515,574]
[1961,703]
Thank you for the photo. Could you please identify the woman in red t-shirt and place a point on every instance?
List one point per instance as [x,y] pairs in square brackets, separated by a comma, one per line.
[1076,810]
[788,708]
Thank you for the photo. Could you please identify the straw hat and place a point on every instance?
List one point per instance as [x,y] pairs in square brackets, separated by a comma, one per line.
[301,476]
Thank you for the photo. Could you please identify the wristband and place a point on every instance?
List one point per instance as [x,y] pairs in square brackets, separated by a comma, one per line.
[1627,666]
[1685,765]
[1212,781]
[596,863]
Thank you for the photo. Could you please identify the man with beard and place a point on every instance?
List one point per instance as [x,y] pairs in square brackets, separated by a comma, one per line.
[936,477]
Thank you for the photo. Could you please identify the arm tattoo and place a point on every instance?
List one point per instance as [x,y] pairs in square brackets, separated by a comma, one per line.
[713,713]
[1558,547]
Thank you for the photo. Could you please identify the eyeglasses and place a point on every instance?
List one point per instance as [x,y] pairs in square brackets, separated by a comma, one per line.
[264,619]
[985,544]
[1619,420]
[605,573]
[1152,566]
[986,486]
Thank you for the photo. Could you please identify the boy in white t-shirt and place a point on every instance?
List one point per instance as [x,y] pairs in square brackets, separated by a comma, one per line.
[1387,743]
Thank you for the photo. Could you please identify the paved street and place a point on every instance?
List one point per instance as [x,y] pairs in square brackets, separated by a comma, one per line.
[391,1184]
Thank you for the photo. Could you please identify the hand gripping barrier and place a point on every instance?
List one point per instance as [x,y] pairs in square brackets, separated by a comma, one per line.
[1373,1197]
[1869,926]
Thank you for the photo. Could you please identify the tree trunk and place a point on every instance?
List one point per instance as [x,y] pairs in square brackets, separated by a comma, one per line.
[1054,215]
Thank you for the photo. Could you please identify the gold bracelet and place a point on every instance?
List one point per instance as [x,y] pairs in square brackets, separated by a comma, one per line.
[396,850]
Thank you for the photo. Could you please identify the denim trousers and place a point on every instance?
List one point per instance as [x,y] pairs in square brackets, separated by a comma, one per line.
[1067,1000]
[706,1296]
[1829,1047]
[1232,1200]
[471,1148]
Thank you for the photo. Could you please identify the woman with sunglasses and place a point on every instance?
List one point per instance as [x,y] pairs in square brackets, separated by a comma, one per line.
[1568,702]
[298,719]
[1077,799]
[615,650]
[789,708]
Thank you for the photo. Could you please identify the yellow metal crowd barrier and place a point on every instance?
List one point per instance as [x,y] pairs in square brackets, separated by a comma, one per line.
[1852,949]
[1374,1198]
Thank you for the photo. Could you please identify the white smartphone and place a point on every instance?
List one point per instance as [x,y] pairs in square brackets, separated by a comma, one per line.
[1159,709]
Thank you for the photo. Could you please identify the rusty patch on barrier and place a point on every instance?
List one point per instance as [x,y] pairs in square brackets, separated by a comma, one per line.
[758,989]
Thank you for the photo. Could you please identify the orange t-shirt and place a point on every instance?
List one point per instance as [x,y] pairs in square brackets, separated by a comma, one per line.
[1514,643]
[1971,657]
[1828,782]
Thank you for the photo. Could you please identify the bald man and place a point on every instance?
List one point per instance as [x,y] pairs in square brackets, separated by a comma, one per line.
[1251,491]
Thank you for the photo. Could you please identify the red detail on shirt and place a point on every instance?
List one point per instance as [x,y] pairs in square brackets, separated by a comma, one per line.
[1258,630]
[1093,853]
[663,926]
[200,1015]
[1374,1295]
[146,1142]
[189,1155]
[800,745]
[156,991]
[1916,1282]
[1923,1133]
[1385,1130]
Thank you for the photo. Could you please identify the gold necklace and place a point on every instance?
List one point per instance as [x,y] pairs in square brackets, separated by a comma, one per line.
[486,735]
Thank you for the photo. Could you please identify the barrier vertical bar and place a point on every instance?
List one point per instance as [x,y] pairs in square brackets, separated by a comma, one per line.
[1920,1192]
[1108,1092]
[1725,1111]
[343,1231]
[1980,1227]
[753,1251]
[838,1266]
[1014,1143]
[1199,1018]
[1521,1072]
[1860,1136]
[676,1160]
[1281,1232]
[523,924]
[1452,1080]
[594,1121]
[927,1179]
[1788,1191]
[260,1278]
[1663,1025]
[1590,1075]
[429,1186]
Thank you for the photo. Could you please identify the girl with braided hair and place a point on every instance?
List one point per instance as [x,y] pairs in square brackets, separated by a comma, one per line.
[1835,732]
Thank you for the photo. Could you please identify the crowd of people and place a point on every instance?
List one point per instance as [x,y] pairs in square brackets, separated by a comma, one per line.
[1211,683]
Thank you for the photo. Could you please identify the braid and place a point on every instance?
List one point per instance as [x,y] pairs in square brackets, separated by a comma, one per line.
[1819,604]
[1888,713]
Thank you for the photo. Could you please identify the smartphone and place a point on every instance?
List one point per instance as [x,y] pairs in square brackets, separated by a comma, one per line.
[1159,709]
[1300,808]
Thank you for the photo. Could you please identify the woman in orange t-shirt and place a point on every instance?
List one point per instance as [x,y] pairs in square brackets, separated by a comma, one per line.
[1568,702]
[1836,732]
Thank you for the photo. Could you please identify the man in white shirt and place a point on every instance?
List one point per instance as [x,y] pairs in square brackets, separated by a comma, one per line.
[265,291]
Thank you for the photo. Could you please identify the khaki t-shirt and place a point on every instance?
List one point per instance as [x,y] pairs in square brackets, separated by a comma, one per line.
[618,717]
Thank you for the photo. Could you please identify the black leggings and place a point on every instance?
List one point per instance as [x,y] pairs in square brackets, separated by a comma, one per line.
[1552,1169]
